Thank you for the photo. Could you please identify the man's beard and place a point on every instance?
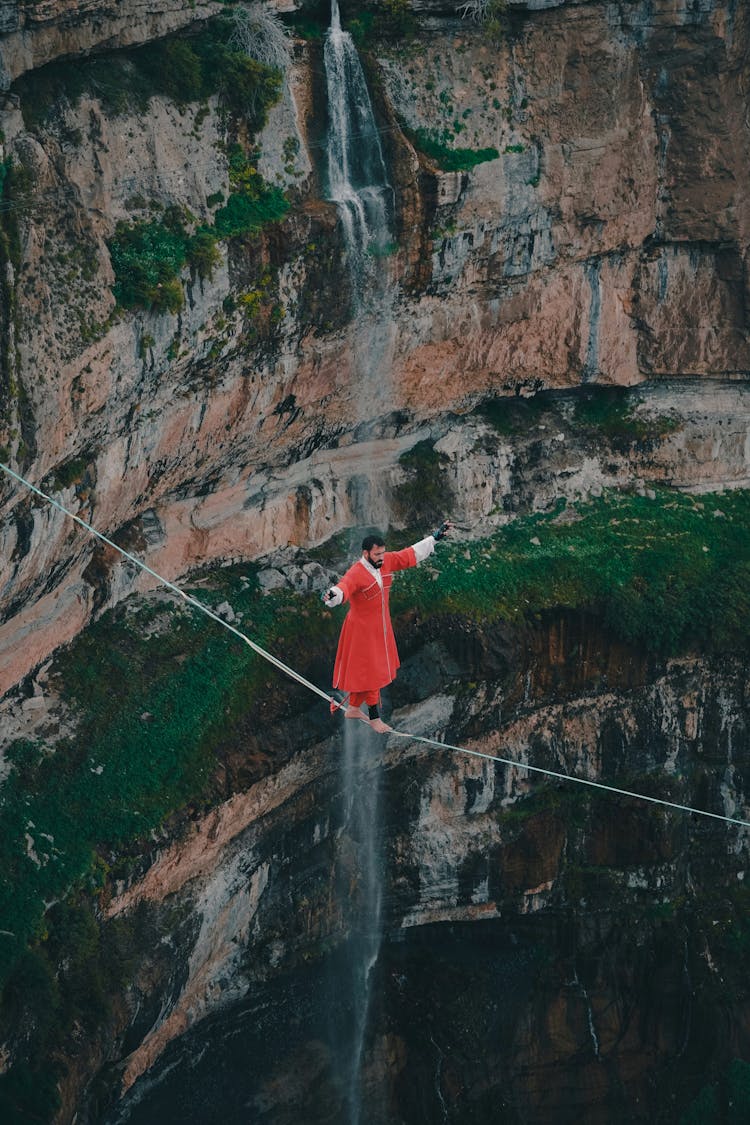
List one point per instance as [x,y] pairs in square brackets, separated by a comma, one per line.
[377,563]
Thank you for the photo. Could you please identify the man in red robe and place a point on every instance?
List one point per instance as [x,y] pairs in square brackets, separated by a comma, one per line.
[367,658]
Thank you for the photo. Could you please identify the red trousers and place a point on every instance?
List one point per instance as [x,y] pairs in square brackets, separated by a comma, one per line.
[357,698]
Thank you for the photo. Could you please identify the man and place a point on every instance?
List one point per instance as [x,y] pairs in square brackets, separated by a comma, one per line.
[367,658]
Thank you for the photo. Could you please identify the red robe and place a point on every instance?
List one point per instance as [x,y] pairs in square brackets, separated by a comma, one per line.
[367,658]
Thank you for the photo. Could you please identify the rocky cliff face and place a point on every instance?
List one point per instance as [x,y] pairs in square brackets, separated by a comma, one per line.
[604,244]
[566,313]
[548,950]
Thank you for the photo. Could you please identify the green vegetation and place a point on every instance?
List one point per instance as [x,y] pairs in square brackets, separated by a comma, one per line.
[184,68]
[425,495]
[609,411]
[726,1102]
[394,19]
[148,256]
[179,683]
[492,14]
[307,27]
[63,986]
[252,203]
[513,415]
[433,144]
[69,473]
[667,574]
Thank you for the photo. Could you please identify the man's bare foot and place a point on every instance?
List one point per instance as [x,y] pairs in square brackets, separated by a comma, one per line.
[355,713]
[380,726]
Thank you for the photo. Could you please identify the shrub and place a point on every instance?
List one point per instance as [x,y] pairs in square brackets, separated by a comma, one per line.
[394,19]
[252,204]
[246,212]
[183,67]
[147,258]
[425,494]
[202,254]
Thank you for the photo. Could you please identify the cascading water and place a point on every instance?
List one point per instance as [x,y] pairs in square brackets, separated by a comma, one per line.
[357,177]
[360,895]
[358,184]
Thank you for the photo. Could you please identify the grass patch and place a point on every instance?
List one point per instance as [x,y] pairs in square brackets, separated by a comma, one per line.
[666,575]
[134,760]
[434,145]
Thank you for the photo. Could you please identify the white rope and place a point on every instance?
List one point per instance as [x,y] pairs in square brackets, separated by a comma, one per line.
[336,703]
[165,581]
[571,777]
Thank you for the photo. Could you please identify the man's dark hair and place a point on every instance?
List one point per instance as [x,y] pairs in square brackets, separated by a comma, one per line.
[371,541]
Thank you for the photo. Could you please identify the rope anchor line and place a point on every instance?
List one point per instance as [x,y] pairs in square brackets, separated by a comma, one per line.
[294,675]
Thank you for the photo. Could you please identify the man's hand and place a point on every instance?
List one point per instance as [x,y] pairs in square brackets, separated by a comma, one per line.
[332,597]
[442,531]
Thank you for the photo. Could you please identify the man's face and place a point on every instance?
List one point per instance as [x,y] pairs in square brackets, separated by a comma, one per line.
[376,556]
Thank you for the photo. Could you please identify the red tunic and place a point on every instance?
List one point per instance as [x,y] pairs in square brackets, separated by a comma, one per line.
[367,658]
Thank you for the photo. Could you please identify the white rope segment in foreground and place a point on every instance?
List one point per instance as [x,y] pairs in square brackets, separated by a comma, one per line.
[282,667]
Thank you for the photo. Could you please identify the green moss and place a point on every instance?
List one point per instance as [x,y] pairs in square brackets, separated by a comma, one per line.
[434,145]
[609,411]
[425,495]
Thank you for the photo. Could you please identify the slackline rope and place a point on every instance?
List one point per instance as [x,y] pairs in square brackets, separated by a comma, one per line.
[337,703]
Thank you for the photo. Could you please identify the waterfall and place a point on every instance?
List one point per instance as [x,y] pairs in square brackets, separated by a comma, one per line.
[357,178]
[358,185]
[360,895]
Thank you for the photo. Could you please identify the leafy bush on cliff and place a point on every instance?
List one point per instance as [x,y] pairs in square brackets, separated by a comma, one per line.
[147,258]
[252,203]
[149,255]
[186,68]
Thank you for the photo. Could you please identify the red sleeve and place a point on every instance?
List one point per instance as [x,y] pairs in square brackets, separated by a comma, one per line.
[400,560]
[350,582]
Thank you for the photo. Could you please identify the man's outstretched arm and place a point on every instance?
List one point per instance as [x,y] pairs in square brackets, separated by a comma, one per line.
[400,560]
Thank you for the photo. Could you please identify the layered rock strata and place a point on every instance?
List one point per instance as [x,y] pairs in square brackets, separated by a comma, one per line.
[604,244]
